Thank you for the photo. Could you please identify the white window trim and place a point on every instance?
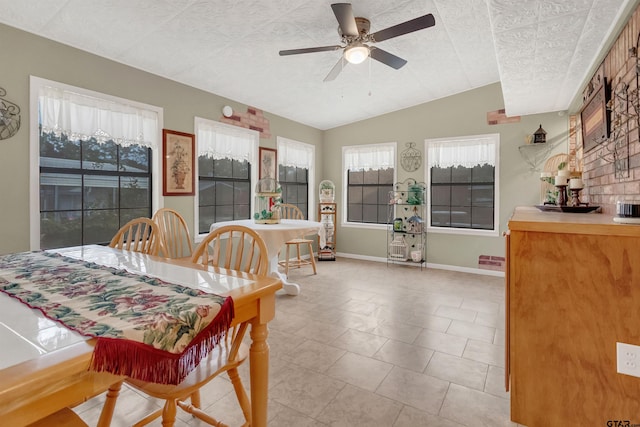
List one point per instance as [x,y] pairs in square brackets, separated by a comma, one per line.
[312,174]
[345,180]
[35,83]
[496,211]
[253,161]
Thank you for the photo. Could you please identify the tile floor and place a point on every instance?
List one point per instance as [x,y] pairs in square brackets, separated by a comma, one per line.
[366,344]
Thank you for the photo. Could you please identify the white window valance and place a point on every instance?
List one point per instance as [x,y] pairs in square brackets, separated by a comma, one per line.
[221,141]
[81,116]
[369,157]
[465,151]
[294,153]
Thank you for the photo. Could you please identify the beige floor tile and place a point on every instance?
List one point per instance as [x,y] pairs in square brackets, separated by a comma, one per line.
[314,355]
[495,382]
[428,321]
[456,313]
[481,306]
[475,408]
[354,407]
[485,352]
[306,391]
[418,390]
[360,371]
[411,417]
[471,330]
[321,332]
[495,320]
[362,343]
[439,341]
[408,356]
[397,331]
[458,370]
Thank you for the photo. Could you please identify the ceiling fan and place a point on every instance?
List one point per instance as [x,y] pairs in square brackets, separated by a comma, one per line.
[354,32]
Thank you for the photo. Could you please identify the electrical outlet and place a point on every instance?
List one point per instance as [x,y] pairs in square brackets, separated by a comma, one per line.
[628,357]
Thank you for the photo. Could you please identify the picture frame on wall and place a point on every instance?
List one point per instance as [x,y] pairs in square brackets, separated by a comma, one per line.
[268,163]
[595,118]
[178,171]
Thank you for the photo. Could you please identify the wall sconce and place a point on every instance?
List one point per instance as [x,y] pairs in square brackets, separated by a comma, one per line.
[356,53]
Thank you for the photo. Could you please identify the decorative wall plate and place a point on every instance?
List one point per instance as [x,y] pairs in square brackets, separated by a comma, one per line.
[9,117]
[410,158]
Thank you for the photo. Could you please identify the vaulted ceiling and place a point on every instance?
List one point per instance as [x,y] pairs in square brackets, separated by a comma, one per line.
[540,50]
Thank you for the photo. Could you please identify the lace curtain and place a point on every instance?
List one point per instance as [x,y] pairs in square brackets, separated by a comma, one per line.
[466,152]
[369,157]
[221,141]
[294,153]
[84,117]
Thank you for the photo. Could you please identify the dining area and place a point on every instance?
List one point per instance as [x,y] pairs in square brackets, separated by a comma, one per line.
[150,310]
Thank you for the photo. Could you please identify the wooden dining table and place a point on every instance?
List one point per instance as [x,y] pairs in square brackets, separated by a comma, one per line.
[44,366]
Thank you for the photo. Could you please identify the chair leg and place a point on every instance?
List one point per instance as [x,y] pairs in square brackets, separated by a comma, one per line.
[286,263]
[241,394]
[299,263]
[169,413]
[109,405]
[195,399]
[312,258]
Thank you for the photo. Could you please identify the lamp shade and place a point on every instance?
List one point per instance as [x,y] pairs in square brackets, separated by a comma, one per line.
[356,54]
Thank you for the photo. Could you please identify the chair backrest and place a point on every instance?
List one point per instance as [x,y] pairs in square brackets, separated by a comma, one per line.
[234,247]
[174,233]
[288,211]
[138,235]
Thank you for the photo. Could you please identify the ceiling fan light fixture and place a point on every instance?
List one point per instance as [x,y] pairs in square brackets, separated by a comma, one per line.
[357,53]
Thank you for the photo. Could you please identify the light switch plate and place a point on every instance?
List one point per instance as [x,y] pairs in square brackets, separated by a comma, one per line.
[628,357]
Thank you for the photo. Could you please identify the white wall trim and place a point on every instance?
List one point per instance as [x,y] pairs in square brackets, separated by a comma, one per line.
[480,271]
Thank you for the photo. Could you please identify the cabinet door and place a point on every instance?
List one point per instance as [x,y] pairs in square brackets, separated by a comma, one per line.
[507,330]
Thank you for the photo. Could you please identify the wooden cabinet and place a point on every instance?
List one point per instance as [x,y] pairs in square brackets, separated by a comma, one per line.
[327,243]
[573,291]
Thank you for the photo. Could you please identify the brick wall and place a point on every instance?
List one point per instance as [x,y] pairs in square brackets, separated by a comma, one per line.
[604,185]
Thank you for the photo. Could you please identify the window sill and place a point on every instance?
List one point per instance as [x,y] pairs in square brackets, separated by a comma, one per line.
[463,231]
[369,226]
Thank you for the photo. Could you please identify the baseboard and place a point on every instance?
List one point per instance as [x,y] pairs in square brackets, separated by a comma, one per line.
[429,265]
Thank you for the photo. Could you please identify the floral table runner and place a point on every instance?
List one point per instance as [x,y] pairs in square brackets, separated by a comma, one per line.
[146,328]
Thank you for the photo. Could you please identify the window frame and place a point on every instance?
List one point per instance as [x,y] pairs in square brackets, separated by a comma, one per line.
[345,185]
[495,137]
[35,84]
[253,165]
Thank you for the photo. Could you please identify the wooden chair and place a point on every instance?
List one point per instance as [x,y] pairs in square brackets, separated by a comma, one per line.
[288,211]
[63,418]
[138,235]
[233,247]
[174,234]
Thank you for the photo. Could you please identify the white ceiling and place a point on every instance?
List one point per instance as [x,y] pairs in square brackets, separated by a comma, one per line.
[540,50]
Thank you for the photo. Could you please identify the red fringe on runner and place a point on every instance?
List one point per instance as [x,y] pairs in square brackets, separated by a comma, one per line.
[143,362]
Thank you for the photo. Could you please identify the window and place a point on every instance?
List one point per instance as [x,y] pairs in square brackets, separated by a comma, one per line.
[369,176]
[295,172]
[94,167]
[226,172]
[463,181]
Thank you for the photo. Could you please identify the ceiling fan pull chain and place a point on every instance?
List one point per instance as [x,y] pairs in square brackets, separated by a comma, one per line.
[370,83]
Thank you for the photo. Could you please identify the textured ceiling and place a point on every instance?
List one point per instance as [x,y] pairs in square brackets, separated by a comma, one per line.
[540,50]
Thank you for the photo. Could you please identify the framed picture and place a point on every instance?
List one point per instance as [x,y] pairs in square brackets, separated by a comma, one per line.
[268,163]
[595,118]
[178,171]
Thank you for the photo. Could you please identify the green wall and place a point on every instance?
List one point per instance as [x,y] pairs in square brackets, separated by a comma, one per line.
[458,115]
[25,54]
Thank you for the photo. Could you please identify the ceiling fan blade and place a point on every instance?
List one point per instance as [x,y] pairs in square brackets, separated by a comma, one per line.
[346,20]
[407,27]
[387,58]
[309,50]
[335,70]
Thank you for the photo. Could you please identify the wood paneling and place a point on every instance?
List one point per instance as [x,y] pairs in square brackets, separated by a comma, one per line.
[574,291]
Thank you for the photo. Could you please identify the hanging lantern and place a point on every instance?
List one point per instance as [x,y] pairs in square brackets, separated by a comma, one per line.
[268,199]
[540,136]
